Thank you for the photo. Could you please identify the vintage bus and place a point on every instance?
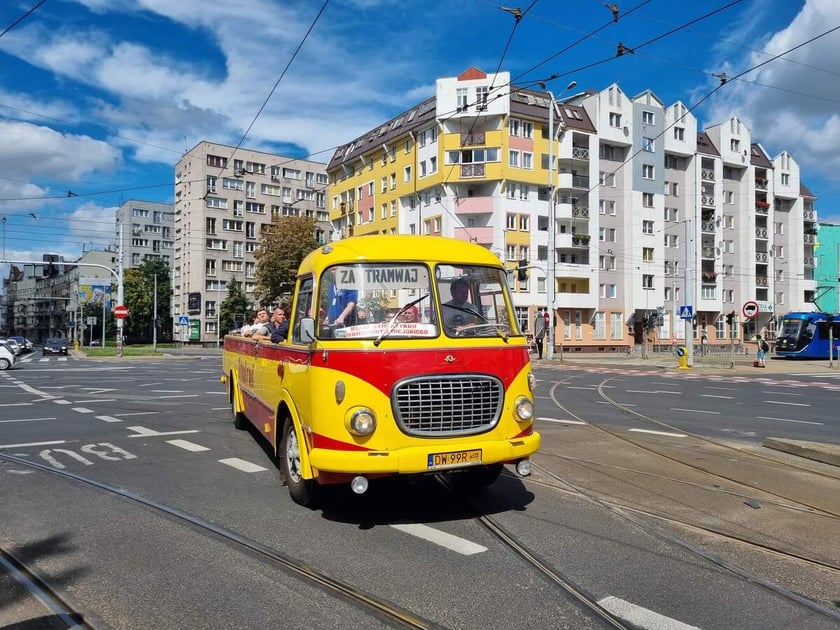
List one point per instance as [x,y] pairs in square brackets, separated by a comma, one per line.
[403,357]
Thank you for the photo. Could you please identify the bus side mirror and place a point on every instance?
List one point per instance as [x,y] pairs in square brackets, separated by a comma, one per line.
[307,330]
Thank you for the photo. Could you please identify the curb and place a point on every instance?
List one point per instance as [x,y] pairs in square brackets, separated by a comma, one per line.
[817,451]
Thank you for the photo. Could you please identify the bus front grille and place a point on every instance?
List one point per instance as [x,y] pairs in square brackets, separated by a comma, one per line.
[447,405]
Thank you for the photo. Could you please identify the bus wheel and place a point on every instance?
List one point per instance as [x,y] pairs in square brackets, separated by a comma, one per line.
[476,478]
[301,490]
[239,419]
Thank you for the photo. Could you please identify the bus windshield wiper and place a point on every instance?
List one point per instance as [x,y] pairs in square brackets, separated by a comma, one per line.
[396,318]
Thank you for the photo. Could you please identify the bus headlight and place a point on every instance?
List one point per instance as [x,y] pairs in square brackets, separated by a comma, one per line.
[361,422]
[523,408]
[532,381]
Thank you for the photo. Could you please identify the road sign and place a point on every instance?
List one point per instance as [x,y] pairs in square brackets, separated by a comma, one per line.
[120,312]
[686,312]
[750,309]
[183,320]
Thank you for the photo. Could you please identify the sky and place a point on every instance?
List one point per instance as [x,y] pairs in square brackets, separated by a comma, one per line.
[99,99]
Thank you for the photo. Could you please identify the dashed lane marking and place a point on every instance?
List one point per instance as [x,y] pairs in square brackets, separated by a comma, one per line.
[448,541]
[819,424]
[108,419]
[651,432]
[81,410]
[560,421]
[241,464]
[32,444]
[714,413]
[26,420]
[188,446]
[144,432]
[641,617]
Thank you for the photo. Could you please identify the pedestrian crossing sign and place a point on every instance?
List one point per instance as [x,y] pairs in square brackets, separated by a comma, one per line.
[183,320]
[686,312]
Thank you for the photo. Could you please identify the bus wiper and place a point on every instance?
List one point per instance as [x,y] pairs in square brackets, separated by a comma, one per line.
[396,318]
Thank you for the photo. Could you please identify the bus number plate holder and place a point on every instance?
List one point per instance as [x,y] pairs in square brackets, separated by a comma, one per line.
[454,459]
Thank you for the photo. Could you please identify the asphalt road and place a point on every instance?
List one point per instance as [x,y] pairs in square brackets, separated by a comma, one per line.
[160,429]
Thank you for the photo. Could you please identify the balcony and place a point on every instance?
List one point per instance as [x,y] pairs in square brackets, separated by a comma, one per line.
[809,239]
[762,281]
[708,175]
[762,207]
[707,226]
[762,257]
[709,277]
[810,261]
[809,215]
[472,138]
[567,300]
[580,240]
[580,153]
[474,205]
[480,235]
[761,233]
[570,180]
[760,184]
[707,201]
[581,212]
[472,170]
[707,252]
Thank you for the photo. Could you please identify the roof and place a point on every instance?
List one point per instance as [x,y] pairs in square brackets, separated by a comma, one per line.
[534,104]
[758,157]
[705,144]
[804,191]
[398,247]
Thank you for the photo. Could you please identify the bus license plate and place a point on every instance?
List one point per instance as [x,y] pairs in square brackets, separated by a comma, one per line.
[455,458]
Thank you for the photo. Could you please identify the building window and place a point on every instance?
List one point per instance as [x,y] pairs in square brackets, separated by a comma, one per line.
[679,133]
[647,281]
[527,160]
[785,179]
[513,159]
[647,200]
[647,118]
[647,145]
[615,120]
[647,227]
[647,171]
[461,99]
[647,254]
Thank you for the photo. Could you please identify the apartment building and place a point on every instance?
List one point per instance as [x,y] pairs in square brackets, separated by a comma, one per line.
[145,232]
[224,196]
[659,229]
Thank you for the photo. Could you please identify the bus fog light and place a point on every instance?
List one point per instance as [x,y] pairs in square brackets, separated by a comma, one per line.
[359,485]
[524,409]
[523,467]
[362,422]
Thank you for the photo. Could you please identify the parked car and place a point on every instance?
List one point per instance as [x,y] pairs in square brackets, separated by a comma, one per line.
[23,342]
[7,357]
[55,345]
[13,345]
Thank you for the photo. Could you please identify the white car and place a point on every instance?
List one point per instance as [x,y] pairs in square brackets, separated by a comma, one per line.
[7,357]
[13,345]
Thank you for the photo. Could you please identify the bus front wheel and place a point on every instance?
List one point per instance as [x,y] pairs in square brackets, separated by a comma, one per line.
[239,419]
[301,490]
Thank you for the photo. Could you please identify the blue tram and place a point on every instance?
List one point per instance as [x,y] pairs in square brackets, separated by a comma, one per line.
[805,335]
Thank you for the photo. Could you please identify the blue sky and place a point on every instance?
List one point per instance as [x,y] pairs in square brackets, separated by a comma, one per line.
[102,97]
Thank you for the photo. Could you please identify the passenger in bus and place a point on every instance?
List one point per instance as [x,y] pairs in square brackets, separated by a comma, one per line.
[410,316]
[279,325]
[260,329]
[458,312]
[341,303]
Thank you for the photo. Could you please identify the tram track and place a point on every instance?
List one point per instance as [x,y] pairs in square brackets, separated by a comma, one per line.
[380,609]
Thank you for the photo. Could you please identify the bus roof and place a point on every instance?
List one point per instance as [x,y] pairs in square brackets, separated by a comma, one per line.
[405,247]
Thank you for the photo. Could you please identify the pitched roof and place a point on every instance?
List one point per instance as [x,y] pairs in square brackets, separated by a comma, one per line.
[705,145]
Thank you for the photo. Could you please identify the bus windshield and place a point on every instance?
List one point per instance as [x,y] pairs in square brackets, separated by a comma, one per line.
[379,300]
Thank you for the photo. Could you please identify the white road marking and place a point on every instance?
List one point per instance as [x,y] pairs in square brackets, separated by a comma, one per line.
[716,413]
[679,435]
[559,421]
[26,419]
[138,413]
[108,419]
[62,402]
[219,393]
[32,444]
[728,389]
[149,384]
[589,388]
[782,393]
[716,396]
[241,464]
[188,446]
[168,391]
[652,391]
[144,432]
[81,409]
[219,408]
[790,404]
[180,396]
[819,424]
[448,541]
[606,402]
[96,400]
[641,617]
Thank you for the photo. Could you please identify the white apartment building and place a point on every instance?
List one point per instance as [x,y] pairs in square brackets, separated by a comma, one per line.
[145,232]
[651,214]
[223,198]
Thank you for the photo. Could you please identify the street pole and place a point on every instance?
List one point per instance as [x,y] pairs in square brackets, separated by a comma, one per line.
[154,318]
[689,293]
[120,291]
[552,227]
[104,303]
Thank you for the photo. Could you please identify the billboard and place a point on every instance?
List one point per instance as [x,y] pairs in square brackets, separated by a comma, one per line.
[95,291]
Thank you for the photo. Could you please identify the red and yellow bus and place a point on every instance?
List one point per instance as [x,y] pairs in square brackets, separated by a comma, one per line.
[403,357]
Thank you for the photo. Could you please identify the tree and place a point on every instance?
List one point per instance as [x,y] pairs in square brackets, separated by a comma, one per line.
[283,245]
[139,297]
[236,303]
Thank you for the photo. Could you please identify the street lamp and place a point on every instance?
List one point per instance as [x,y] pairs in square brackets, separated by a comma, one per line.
[552,219]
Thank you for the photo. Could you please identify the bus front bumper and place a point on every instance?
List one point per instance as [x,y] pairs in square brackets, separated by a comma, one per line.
[427,458]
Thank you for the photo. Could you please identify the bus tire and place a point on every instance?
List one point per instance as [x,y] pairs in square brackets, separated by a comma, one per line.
[301,490]
[478,478]
[240,421]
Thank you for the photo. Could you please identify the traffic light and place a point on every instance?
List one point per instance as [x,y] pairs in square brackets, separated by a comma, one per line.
[650,323]
[522,270]
[730,319]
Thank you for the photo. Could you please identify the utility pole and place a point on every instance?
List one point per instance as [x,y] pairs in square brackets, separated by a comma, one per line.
[154,318]
[120,297]
[552,234]
[689,292]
